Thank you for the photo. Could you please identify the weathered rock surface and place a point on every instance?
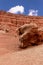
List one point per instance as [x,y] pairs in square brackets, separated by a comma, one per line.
[10,53]
[30,34]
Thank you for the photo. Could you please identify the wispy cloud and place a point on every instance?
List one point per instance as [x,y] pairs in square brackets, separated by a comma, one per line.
[33,12]
[16,9]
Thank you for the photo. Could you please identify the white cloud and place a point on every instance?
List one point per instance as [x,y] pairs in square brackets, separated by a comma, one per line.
[17,9]
[33,12]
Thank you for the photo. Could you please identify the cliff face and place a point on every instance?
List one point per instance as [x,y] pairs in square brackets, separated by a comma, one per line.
[10,21]
[9,43]
[16,20]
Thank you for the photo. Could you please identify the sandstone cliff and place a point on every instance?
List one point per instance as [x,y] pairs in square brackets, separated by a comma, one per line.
[10,53]
[16,19]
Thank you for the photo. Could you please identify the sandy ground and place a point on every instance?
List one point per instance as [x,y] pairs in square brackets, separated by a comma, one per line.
[11,54]
[8,43]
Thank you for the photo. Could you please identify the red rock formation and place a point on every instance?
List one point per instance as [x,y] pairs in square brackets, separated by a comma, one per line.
[17,20]
[9,22]
[28,35]
[9,42]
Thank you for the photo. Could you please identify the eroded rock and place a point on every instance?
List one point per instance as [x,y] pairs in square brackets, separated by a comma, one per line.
[29,35]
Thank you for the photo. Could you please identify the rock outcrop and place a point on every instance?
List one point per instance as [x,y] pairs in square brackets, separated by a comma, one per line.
[10,22]
[30,34]
[10,53]
[16,20]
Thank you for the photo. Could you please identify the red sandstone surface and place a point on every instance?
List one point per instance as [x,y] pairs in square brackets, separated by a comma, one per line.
[10,53]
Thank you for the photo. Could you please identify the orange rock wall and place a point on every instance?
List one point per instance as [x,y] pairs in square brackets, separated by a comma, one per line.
[17,20]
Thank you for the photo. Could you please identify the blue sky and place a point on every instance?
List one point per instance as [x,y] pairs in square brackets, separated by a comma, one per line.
[27,7]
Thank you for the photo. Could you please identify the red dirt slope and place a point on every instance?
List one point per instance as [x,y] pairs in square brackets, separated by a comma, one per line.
[10,53]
